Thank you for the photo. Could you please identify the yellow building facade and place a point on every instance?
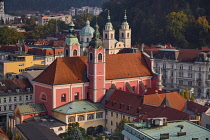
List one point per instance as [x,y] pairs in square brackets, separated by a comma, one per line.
[89,115]
[17,64]
[113,119]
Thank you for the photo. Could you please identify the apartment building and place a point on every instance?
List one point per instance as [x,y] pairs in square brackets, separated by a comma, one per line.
[182,68]
[46,18]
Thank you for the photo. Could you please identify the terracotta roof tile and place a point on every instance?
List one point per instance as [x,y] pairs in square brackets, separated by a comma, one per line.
[164,111]
[188,55]
[120,100]
[172,99]
[117,66]
[196,108]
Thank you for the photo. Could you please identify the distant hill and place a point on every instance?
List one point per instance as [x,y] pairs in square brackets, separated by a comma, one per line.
[182,23]
[52,5]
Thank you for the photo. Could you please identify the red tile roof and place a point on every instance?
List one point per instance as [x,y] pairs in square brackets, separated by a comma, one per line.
[69,69]
[173,99]
[46,52]
[164,111]
[14,84]
[196,108]
[126,99]
[188,55]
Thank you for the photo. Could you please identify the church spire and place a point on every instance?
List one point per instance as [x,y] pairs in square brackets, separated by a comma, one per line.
[125,17]
[96,41]
[108,17]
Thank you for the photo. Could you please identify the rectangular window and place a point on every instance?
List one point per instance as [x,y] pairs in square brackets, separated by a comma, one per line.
[21,64]
[189,83]
[21,70]
[180,82]
[15,99]
[116,115]
[99,115]
[116,124]
[5,108]
[5,100]
[190,67]
[10,99]
[181,67]
[63,98]
[180,74]
[189,75]
[111,114]
[172,73]
[31,97]
[10,107]
[20,98]
[26,98]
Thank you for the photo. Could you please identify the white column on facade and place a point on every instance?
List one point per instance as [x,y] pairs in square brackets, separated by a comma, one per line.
[86,117]
[94,115]
[76,119]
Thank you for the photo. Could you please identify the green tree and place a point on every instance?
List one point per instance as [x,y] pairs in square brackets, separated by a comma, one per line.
[80,20]
[182,93]
[187,94]
[175,28]
[119,129]
[9,36]
[9,133]
[192,98]
[74,132]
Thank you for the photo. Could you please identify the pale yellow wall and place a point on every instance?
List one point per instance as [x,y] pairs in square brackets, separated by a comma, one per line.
[85,123]
[115,119]
[13,66]
[59,116]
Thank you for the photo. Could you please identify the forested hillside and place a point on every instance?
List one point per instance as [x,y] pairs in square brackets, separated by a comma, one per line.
[52,5]
[183,23]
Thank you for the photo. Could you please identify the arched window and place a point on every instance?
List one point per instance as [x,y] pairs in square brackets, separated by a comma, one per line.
[122,35]
[43,96]
[67,52]
[105,36]
[127,35]
[63,98]
[75,53]
[71,119]
[87,39]
[91,56]
[99,56]
[76,96]
[111,36]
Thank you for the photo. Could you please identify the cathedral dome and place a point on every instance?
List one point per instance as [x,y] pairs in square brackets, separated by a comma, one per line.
[87,30]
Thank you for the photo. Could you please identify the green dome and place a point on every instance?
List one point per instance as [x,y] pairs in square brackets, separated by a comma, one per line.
[108,24]
[96,41]
[125,24]
[87,30]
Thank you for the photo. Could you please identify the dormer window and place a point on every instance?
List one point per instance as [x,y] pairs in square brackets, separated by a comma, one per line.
[121,105]
[106,102]
[128,107]
[138,109]
[113,103]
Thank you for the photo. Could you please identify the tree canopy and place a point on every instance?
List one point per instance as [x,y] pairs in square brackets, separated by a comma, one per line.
[182,23]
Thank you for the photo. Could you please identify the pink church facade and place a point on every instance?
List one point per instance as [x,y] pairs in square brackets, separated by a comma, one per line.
[89,77]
